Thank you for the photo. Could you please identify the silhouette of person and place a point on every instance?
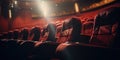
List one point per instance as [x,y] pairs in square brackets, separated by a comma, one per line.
[15,34]
[36,31]
[24,34]
[51,28]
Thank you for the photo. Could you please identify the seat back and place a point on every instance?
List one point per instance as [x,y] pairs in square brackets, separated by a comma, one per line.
[86,52]
[45,50]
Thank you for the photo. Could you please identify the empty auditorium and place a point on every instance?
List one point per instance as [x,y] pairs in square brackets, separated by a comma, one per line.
[59,30]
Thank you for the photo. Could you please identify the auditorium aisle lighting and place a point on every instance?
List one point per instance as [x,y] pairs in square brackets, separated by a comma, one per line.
[76,7]
[10,14]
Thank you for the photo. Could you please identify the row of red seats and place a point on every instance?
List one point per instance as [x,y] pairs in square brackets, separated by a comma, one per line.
[27,50]
[34,50]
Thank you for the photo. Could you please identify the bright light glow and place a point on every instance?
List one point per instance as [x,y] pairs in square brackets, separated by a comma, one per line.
[10,14]
[76,8]
[15,2]
[44,8]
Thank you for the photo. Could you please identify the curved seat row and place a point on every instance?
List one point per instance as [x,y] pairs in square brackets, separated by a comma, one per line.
[34,50]
[27,50]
